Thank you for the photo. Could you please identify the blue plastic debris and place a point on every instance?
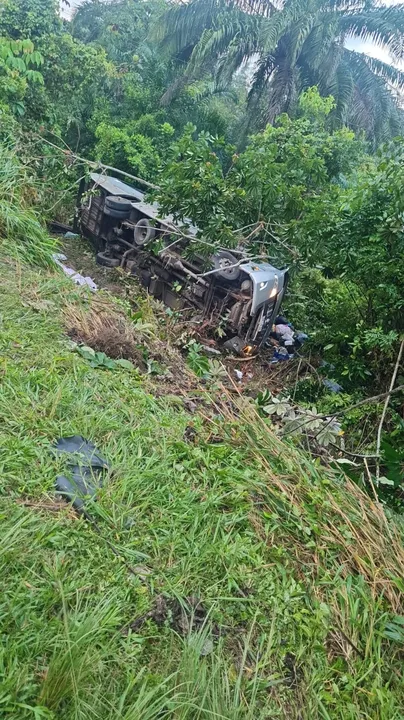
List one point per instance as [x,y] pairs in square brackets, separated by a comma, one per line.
[332,385]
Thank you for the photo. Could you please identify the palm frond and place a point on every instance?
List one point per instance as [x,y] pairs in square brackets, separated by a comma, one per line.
[272,29]
[374,107]
[298,35]
[322,36]
[261,78]
[343,92]
[234,31]
[382,25]
[296,44]
[327,74]
[390,74]
[262,8]
[236,57]
[182,25]
[280,89]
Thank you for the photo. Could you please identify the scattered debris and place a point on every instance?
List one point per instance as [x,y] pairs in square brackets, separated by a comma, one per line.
[332,385]
[75,276]
[238,374]
[87,470]
[184,616]
[207,647]
[190,434]
[210,350]
[285,339]
[46,506]
[189,405]
[280,355]
[69,235]
[294,672]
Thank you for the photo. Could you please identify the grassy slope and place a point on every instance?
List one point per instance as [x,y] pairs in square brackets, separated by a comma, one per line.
[299,574]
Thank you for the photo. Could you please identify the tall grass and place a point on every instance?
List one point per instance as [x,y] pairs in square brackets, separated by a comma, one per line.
[317,507]
[21,232]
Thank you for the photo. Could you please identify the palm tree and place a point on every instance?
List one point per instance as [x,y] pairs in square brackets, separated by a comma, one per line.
[292,45]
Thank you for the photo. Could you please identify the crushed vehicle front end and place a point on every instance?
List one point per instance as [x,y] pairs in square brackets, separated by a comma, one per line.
[253,318]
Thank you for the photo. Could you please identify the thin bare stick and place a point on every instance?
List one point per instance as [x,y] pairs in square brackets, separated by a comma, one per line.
[354,454]
[386,404]
[237,264]
[93,164]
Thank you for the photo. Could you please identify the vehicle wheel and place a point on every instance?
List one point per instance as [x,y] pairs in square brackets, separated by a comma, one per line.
[105,261]
[223,260]
[118,214]
[118,203]
[144,232]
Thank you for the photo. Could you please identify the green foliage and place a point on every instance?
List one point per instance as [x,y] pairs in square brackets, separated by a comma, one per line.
[282,413]
[197,361]
[119,27]
[371,237]
[194,185]
[132,151]
[19,63]
[315,107]
[101,360]
[32,19]
[292,46]
[75,78]
[285,174]
[102,81]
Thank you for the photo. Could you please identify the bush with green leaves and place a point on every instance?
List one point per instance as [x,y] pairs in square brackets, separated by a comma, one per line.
[135,147]
[31,19]
[289,171]
[19,69]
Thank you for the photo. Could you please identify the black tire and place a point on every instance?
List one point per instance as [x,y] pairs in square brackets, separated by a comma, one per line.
[222,262]
[118,214]
[144,232]
[118,203]
[105,261]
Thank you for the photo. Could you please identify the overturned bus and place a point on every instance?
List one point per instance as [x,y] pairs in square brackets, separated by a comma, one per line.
[244,296]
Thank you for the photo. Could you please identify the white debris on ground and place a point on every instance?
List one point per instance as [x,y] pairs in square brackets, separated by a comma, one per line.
[75,276]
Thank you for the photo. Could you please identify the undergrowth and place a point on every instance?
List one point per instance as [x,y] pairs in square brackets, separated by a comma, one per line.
[22,234]
[299,574]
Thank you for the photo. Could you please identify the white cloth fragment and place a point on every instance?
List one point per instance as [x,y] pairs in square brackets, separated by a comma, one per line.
[285,332]
[75,276]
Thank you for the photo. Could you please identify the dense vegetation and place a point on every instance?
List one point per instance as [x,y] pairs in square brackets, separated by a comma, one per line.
[256,121]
